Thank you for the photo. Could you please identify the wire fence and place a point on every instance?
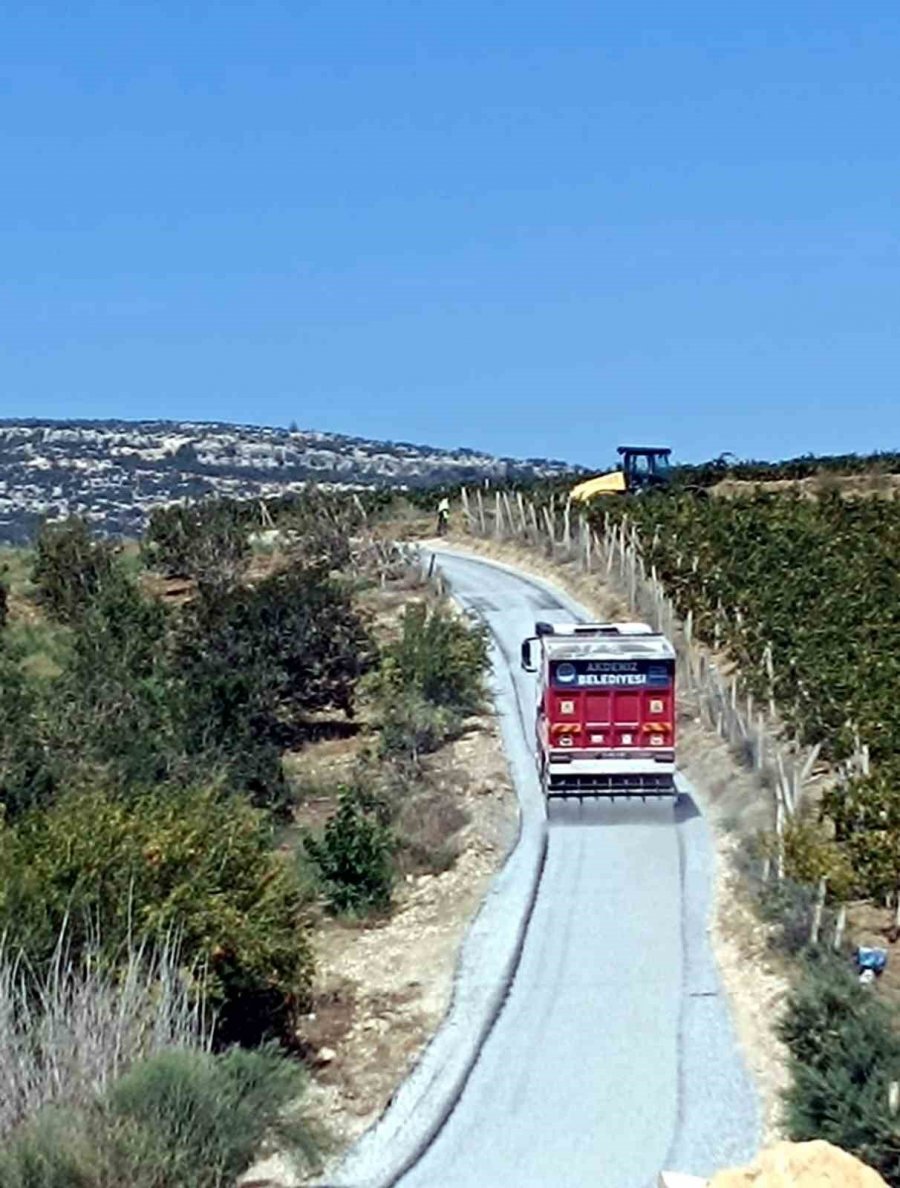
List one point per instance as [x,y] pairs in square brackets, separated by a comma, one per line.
[750,726]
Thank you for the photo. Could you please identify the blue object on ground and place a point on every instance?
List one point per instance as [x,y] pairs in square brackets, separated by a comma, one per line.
[874,959]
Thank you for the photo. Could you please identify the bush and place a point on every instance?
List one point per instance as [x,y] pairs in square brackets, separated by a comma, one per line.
[199,1121]
[114,703]
[25,778]
[69,1031]
[192,860]
[866,816]
[412,727]
[439,656]
[789,907]
[205,541]
[810,853]
[181,1119]
[354,854]
[292,644]
[427,822]
[845,1053]
[70,568]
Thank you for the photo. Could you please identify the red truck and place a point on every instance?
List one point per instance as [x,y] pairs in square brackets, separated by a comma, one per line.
[605,709]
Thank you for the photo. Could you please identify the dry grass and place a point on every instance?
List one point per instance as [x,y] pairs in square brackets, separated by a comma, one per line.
[68,1033]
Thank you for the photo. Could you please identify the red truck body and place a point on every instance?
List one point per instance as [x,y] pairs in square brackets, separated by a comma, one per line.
[605,721]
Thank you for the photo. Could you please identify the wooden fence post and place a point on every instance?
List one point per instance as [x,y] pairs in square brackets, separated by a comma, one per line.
[816,926]
[522,520]
[550,536]
[839,926]
[464,497]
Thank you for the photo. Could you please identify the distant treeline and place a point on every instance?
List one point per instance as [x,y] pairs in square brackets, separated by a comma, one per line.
[807,465]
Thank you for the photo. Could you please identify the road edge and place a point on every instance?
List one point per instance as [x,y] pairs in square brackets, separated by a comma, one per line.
[489,958]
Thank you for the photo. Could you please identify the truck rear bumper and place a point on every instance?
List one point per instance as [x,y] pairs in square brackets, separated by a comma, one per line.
[610,777]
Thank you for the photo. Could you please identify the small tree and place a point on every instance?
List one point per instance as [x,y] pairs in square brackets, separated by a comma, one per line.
[116,702]
[439,656]
[70,568]
[259,656]
[354,854]
[25,777]
[193,862]
[206,541]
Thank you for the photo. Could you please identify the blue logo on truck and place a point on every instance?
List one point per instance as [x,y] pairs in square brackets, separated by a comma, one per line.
[616,674]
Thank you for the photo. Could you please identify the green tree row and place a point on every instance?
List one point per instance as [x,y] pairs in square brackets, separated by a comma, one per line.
[815,586]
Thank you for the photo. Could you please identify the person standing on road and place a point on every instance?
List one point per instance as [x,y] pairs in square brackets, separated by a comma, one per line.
[443,515]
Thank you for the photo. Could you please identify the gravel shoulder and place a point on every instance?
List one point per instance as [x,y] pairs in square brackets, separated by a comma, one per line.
[383,987]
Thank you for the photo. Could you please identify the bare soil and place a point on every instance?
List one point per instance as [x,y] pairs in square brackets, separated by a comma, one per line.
[384,984]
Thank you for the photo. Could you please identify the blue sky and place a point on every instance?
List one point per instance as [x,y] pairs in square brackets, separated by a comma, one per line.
[539,229]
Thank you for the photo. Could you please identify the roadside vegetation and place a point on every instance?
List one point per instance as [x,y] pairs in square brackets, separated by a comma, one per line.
[803,596]
[159,907]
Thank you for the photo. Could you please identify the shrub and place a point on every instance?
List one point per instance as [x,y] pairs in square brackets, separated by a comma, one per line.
[354,854]
[4,604]
[25,778]
[412,727]
[207,541]
[789,907]
[866,816]
[253,660]
[427,822]
[199,1121]
[180,1119]
[810,854]
[845,1053]
[53,1150]
[68,1031]
[193,860]
[70,568]
[114,702]
[439,656]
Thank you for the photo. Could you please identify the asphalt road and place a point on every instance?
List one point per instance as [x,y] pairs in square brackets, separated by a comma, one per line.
[613,1055]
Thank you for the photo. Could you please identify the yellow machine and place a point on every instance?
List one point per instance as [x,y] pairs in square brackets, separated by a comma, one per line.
[643,468]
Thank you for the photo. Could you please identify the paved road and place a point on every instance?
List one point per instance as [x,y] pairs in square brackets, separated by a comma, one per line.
[613,1055]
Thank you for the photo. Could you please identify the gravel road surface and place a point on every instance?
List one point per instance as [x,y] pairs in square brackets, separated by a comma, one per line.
[613,1055]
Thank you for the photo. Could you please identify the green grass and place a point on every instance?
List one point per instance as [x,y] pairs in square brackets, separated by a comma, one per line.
[15,570]
[40,643]
[42,647]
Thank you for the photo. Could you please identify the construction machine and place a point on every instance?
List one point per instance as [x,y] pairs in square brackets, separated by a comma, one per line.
[643,468]
[605,720]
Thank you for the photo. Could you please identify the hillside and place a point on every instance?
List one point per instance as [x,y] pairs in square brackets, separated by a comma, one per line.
[114,472]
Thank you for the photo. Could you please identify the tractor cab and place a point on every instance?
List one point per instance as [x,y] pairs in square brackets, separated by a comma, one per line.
[645,467]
